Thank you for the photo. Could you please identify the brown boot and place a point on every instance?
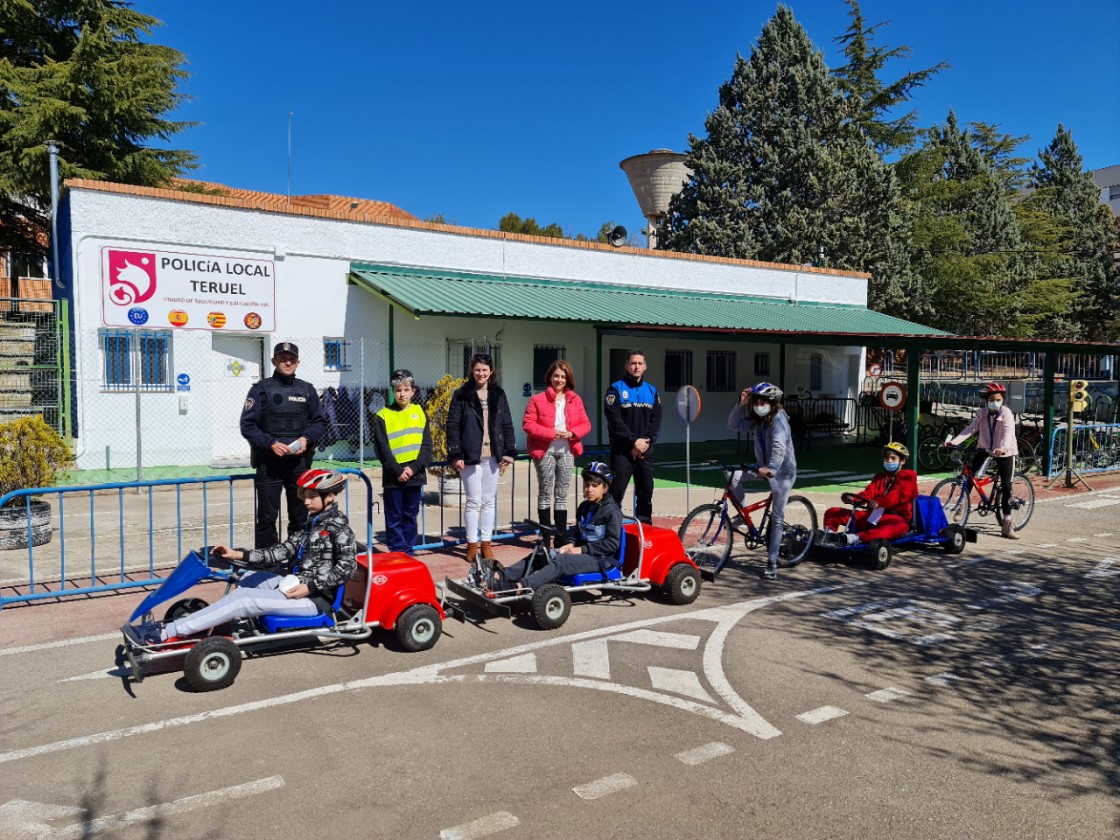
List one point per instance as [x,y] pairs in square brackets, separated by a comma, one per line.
[487,550]
[1007,527]
[472,552]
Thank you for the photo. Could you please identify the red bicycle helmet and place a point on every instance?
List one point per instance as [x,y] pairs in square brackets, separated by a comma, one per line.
[992,388]
[321,481]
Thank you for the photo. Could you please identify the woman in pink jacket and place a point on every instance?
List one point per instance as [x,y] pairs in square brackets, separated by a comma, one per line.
[996,427]
[554,423]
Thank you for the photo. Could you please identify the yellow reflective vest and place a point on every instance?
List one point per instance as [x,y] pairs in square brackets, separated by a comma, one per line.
[405,431]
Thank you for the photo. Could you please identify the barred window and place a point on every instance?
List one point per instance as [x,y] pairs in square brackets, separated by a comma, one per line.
[816,371]
[336,354]
[543,356]
[721,371]
[153,353]
[678,369]
[761,364]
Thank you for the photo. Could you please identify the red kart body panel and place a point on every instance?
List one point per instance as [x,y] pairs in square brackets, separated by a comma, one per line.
[662,551]
[399,581]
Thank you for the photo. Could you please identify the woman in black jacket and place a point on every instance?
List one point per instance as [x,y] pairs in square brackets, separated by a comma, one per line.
[479,442]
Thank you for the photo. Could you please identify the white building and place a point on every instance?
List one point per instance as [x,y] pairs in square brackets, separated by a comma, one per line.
[178,297]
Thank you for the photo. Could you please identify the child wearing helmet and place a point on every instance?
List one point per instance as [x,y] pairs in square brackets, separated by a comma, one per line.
[319,558]
[996,427]
[888,503]
[759,412]
[598,536]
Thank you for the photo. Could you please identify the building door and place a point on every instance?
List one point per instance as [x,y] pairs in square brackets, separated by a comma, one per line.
[236,362]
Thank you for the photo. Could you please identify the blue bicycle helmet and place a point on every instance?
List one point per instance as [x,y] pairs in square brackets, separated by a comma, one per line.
[598,470]
[767,390]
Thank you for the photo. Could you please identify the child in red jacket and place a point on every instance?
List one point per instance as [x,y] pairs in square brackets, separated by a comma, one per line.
[888,499]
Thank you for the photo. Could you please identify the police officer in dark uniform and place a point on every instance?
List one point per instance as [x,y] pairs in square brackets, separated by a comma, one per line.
[633,409]
[282,422]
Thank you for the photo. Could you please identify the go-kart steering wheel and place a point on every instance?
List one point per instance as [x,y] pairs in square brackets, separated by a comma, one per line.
[215,561]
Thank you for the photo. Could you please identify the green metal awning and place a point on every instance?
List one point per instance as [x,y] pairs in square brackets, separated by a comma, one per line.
[427,292]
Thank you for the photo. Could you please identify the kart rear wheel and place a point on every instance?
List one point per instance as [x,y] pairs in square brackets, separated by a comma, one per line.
[184,607]
[880,555]
[798,531]
[956,504]
[706,536]
[419,627]
[212,664]
[551,606]
[682,584]
[955,539]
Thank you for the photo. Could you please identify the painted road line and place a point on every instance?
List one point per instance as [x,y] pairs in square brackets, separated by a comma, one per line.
[698,755]
[481,827]
[815,716]
[591,659]
[1047,545]
[1104,501]
[1105,568]
[61,643]
[605,786]
[524,664]
[886,695]
[1015,590]
[1078,539]
[1102,536]
[686,683]
[942,680]
[101,674]
[680,641]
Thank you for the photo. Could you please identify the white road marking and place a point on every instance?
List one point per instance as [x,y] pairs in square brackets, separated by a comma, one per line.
[481,827]
[820,715]
[605,786]
[524,664]
[745,718]
[1015,590]
[591,659]
[1104,501]
[698,755]
[61,643]
[1102,536]
[680,641]
[886,695]
[1104,568]
[1047,545]
[1018,656]
[678,682]
[100,674]
[942,680]
[1078,539]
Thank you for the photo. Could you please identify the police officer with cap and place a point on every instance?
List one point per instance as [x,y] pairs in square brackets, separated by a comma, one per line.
[282,422]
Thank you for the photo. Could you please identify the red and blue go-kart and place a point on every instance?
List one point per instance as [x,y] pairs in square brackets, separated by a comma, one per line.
[649,557]
[397,594]
[928,528]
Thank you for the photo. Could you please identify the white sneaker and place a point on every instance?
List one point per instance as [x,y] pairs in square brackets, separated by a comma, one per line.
[852,539]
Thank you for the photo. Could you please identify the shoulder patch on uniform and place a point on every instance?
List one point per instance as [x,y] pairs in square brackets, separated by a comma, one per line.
[610,397]
[249,403]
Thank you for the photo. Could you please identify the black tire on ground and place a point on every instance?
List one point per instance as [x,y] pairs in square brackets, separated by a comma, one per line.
[799,531]
[419,627]
[682,584]
[955,542]
[183,607]
[551,606]
[706,537]
[880,555]
[212,664]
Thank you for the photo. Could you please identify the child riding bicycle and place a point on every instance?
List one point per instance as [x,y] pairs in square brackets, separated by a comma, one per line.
[887,502]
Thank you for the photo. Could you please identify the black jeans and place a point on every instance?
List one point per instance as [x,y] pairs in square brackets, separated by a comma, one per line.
[1006,468]
[623,466]
[273,476]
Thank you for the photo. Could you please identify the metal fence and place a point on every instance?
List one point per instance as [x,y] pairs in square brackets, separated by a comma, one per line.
[33,353]
[1096,448]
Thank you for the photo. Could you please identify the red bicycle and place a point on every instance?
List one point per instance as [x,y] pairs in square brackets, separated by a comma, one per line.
[955,493]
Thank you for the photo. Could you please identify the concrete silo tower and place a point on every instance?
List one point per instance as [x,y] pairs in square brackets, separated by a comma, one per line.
[655,177]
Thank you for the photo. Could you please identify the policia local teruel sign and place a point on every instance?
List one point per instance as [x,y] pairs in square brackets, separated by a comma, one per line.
[160,289]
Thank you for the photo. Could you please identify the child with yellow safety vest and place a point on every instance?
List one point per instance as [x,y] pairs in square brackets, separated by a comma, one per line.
[403,443]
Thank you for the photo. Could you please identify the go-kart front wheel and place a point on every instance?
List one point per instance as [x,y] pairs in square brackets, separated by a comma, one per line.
[551,606]
[184,607]
[682,584]
[880,555]
[954,539]
[212,664]
[418,627]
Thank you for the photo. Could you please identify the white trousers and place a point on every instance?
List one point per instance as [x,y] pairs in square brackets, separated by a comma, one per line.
[480,484]
[257,595]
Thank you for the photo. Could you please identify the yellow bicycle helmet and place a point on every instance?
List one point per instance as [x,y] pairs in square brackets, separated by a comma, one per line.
[898,449]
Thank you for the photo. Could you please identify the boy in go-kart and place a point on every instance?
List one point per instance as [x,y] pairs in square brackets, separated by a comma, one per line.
[887,502]
[323,555]
[599,536]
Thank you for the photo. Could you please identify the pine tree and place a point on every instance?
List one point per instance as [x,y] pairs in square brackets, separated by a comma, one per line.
[77,71]
[784,173]
[1066,194]
[872,98]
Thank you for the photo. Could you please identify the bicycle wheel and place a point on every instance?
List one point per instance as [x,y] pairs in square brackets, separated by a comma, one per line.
[1022,501]
[956,503]
[929,454]
[707,536]
[798,531]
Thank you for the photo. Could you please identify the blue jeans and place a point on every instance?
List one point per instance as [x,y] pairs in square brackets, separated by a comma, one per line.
[402,506]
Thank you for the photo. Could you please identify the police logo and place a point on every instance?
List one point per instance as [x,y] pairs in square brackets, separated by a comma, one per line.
[249,403]
[610,398]
[626,395]
[297,399]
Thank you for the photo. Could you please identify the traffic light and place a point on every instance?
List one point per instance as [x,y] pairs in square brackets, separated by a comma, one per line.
[1079,394]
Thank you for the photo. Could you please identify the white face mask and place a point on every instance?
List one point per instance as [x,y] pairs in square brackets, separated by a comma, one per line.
[761,410]
[995,405]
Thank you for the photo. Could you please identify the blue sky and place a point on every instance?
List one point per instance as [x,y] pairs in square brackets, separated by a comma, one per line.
[476,109]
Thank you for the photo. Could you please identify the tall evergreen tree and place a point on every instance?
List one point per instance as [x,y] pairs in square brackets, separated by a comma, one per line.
[785,173]
[77,71]
[872,98]
[1067,194]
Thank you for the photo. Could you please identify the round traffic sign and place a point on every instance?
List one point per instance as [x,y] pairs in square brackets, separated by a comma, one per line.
[874,370]
[892,396]
[688,403]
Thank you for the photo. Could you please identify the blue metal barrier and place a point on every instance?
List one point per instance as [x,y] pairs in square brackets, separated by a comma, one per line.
[101,496]
[1096,448]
